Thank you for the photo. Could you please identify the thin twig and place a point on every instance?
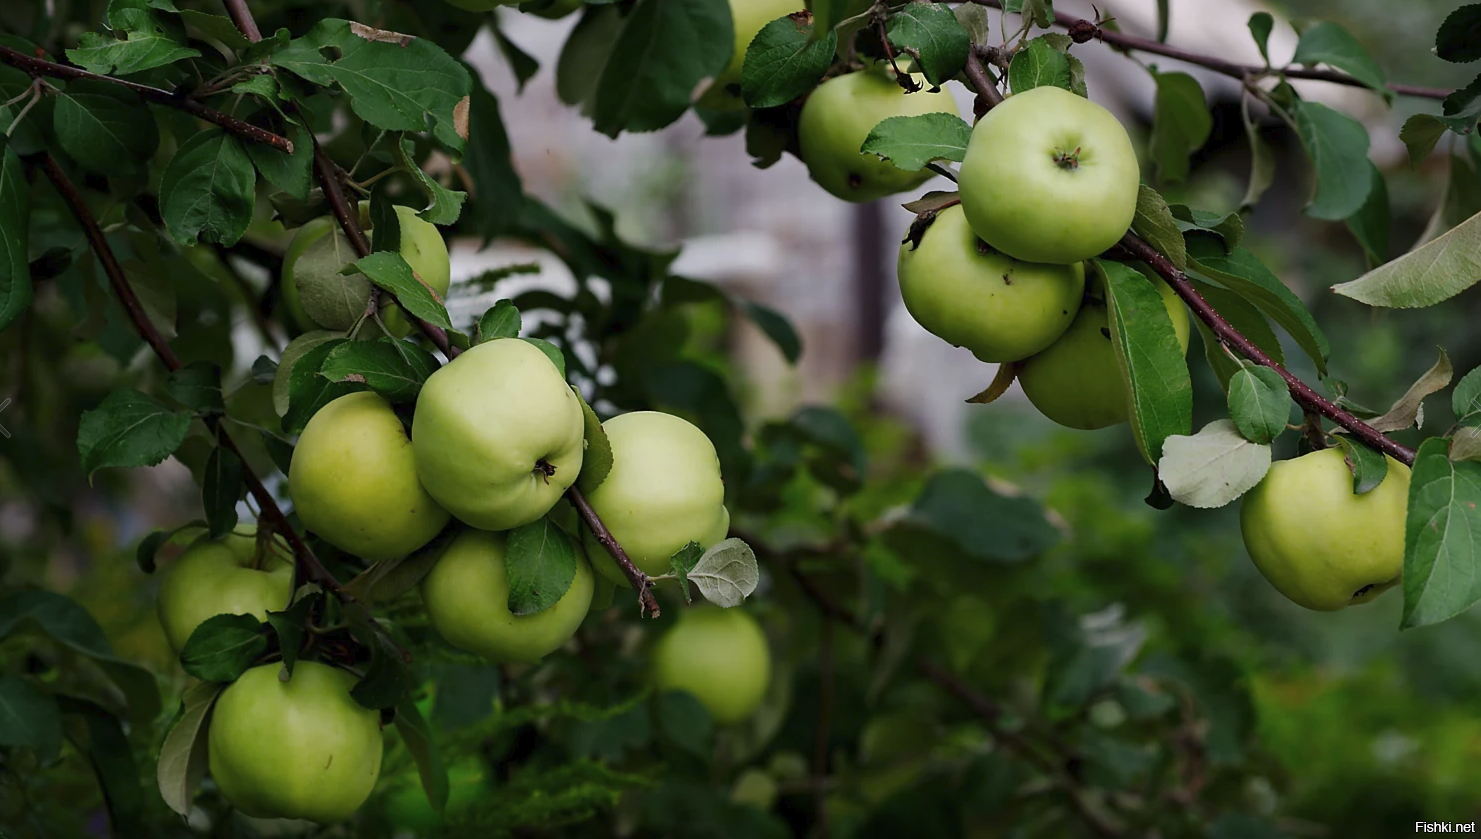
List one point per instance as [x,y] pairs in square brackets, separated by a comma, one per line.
[641,582]
[38,67]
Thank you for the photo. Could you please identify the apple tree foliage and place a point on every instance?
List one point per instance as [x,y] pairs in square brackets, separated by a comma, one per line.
[928,682]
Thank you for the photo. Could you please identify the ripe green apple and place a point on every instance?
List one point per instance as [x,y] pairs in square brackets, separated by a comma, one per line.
[467,599]
[301,749]
[498,435]
[1320,544]
[354,481]
[837,120]
[720,656]
[224,577]
[1076,382]
[969,295]
[749,17]
[1050,177]
[664,491]
[318,296]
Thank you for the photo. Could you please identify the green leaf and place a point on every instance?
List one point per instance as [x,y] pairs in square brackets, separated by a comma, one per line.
[390,272]
[551,351]
[1259,403]
[912,142]
[142,38]
[777,327]
[1150,358]
[1434,273]
[1261,23]
[28,717]
[107,749]
[1420,134]
[389,680]
[395,369]
[288,625]
[1465,400]
[1408,411]
[1461,197]
[1040,12]
[67,623]
[197,386]
[444,206]
[1227,226]
[224,647]
[388,579]
[1370,225]
[1242,272]
[384,221]
[182,759]
[973,18]
[1038,64]
[1466,445]
[1181,124]
[489,160]
[308,391]
[395,82]
[1242,315]
[1338,146]
[1213,467]
[685,721]
[1368,466]
[150,545]
[1262,159]
[784,62]
[1459,37]
[502,320]
[221,489]
[296,349]
[1442,554]
[416,734]
[931,34]
[666,48]
[587,48]
[1155,222]
[103,127]
[727,573]
[15,222]
[524,65]
[596,463]
[540,560]
[129,429]
[208,189]
[961,508]
[1330,44]
[682,562]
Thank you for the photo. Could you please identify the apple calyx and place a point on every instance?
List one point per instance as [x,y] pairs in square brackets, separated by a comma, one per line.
[545,469]
[1067,160]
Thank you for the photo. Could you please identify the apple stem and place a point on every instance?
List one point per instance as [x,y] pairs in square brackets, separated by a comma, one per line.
[1068,161]
[641,582]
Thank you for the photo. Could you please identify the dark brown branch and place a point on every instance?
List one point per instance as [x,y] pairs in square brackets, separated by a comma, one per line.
[641,582]
[242,17]
[1124,41]
[1304,396]
[38,67]
[988,94]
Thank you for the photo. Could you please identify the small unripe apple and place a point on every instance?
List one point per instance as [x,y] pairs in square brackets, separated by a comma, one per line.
[301,749]
[1319,543]
[354,481]
[498,435]
[837,119]
[969,295]
[721,656]
[1076,382]
[749,18]
[467,598]
[318,296]
[663,492]
[224,577]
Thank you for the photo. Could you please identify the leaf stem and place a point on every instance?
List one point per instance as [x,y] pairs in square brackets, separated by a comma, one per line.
[641,583]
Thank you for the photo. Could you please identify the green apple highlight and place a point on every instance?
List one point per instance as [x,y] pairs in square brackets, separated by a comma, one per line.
[301,749]
[721,656]
[837,120]
[354,481]
[1050,177]
[467,598]
[1076,382]
[971,296]
[1319,543]
[224,576]
[498,435]
[664,491]
[318,296]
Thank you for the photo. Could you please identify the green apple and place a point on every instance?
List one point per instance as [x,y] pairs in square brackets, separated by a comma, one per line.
[354,481]
[301,749]
[1050,177]
[318,296]
[224,577]
[720,656]
[664,491]
[749,17]
[498,435]
[1320,544]
[837,120]
[1076,382]
[969,295]
[467,598]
